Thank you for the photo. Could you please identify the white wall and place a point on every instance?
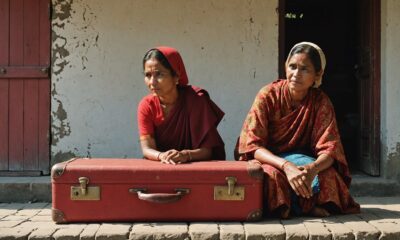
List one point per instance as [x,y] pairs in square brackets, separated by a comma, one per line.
[390,94]
[230,48]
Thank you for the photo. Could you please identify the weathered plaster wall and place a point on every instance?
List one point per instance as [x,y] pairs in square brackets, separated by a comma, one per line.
[390,89]
[230,47]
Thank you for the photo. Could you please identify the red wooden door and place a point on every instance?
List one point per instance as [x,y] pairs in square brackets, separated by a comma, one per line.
[24,87]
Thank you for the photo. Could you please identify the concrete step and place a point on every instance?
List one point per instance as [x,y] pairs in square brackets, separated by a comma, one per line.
[38,189]
[25,189]
[363,185]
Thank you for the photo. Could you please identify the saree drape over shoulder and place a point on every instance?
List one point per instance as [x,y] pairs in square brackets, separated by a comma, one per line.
[191,124]
[273,123]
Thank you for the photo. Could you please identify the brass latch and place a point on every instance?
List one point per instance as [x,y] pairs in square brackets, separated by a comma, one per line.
[84,192]
[231,192]
[83,181]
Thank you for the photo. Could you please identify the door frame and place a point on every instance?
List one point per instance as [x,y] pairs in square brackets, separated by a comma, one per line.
[375,37]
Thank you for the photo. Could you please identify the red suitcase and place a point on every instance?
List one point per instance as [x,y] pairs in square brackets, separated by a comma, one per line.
[95,190]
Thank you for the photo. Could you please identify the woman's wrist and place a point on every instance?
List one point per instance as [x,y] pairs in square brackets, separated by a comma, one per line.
[188,156]
[315,167]
[159,156]
[283,164]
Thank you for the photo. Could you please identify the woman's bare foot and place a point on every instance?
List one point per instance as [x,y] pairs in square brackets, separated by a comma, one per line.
[319,212]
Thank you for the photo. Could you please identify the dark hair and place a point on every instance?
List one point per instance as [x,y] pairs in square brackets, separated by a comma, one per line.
[159,56]
[311,52]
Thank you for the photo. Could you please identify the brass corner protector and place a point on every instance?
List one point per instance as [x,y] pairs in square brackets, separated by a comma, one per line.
[255,215]
[58,169]
[58,216]
[255,170]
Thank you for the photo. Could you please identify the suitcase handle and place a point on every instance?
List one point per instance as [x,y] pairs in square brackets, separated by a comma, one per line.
[160,197]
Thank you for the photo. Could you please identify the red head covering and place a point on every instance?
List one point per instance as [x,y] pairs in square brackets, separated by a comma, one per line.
[176,62]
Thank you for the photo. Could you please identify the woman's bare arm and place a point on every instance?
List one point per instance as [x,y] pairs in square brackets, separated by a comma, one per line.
[296,177]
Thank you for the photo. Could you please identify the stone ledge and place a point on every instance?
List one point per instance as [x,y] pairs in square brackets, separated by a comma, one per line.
[379,219]
[25,189]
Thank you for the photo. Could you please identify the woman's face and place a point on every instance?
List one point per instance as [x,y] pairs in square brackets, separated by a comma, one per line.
[159,79]
[300,72]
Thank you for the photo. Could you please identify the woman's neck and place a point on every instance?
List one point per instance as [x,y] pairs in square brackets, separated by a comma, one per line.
[170,99]
[297,96]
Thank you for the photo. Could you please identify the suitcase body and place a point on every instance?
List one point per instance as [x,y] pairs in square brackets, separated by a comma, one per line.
[96,190]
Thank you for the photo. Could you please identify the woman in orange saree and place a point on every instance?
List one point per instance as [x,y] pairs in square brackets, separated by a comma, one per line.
[290,120]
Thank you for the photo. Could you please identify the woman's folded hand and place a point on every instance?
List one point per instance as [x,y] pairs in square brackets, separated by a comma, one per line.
[174,157]
[310,173]
[297,177]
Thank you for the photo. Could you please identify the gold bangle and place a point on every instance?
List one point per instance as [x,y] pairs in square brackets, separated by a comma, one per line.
[158,156]
[190,155]
[283,164]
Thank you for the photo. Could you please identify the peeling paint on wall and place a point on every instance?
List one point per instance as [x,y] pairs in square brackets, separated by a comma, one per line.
[62,9]
[73,34]
[61,12]
[62,156]
[86,35]
[59,53]
[393,163]
[60,126]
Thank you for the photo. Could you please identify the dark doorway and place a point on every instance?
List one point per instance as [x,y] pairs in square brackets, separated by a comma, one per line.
[339,28]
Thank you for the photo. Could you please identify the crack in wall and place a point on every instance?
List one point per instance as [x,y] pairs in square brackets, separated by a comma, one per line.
[88,36]
[88,149]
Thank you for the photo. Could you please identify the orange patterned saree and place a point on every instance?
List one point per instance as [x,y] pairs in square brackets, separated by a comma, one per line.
[273,123]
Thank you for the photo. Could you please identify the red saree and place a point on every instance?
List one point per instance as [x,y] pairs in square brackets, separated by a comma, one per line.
[311,127]
[191,124]
[193,121]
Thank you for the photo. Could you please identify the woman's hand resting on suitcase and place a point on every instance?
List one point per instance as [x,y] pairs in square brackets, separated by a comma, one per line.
[187,155]
[174,156]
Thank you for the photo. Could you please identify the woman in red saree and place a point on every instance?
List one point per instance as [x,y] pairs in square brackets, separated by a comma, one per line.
[293,117]
[177,122]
